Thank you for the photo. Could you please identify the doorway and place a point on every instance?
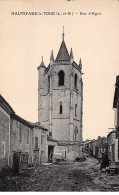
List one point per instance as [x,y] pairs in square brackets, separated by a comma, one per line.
[20,161]
[50,153]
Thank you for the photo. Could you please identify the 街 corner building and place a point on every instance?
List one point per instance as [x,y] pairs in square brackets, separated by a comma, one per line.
[60,103]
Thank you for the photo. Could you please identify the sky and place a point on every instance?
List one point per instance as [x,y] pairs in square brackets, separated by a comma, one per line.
[24,39]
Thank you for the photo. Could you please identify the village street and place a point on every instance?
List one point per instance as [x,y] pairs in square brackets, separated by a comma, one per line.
[66,176]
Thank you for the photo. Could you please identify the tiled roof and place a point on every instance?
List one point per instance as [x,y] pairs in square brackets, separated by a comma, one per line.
[41,64]
[21,120]
[4,104]
[27,123]
[39,126]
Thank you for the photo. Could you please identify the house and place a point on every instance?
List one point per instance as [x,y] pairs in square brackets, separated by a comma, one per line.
[113,136]
[96,147]
[100,147]
[112,143]
[21,135]
[28,143]
[22,143]
[87,149]
[5,113]
[40,144]
[116,109]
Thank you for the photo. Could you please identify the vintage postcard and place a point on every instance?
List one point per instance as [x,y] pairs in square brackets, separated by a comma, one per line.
[59,95]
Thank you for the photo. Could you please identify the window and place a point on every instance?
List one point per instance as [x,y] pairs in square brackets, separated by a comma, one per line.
[76,130]
[75,81]
[74,136]
[75,109]
[61,77]
[20,132]
[48,83]
[3,150]
[50,134]
[75,133]
[65,154]
[42,139]
[36,142]
[27,136]
[60,111]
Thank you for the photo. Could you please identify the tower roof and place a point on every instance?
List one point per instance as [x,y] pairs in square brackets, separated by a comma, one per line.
[42,63]
[63,52]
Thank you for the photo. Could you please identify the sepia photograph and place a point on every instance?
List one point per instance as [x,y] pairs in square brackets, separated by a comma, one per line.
[59,96]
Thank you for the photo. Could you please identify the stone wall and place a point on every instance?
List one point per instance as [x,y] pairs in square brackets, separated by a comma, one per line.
[70,151]
[21,140]
[4,138]
[111,140]
[62,125]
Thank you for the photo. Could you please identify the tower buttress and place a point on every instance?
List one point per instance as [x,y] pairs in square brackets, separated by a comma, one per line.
[71,107]
[41,70]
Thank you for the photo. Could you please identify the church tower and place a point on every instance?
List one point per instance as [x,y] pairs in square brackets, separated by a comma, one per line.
[60,101]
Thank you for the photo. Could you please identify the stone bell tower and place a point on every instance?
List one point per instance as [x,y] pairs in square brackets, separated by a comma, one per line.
[60,100]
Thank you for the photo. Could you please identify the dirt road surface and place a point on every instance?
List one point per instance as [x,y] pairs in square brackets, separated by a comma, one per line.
[66,176]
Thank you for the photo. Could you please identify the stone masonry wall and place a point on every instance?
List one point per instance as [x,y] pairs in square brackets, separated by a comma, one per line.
[4,139]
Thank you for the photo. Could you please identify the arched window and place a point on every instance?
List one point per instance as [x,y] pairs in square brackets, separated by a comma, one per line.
[48,83]
[61,77]
[75,81]
[75,109]
[60,110]
[76,130]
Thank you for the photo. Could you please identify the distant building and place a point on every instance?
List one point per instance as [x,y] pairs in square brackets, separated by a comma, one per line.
[100,147]
[87,147]
[96,147]
[60,102]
